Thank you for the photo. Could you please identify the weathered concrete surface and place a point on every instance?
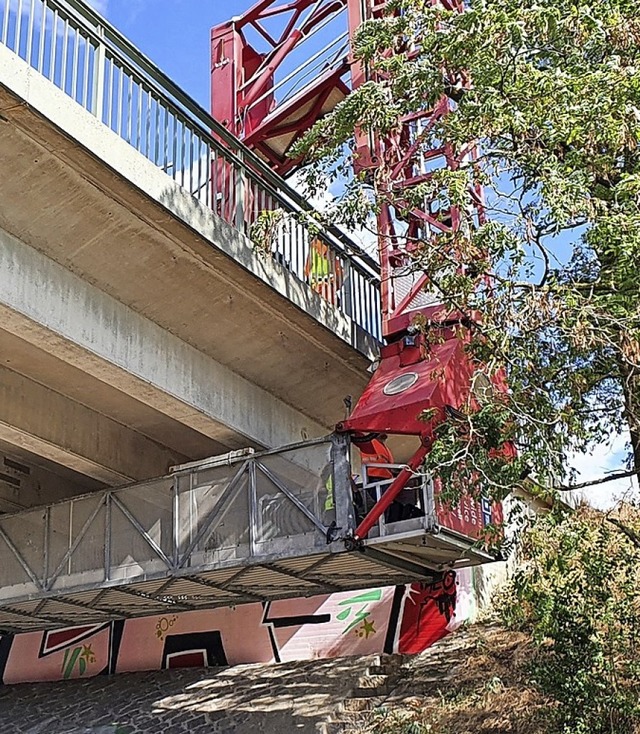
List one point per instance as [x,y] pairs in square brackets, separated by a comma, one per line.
[50,425]
[56,311]
[288,698]
[121,292]
[22,357]
[24,483]
[74,190]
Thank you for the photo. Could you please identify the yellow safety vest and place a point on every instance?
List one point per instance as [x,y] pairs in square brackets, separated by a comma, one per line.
[320,265]
[329,503]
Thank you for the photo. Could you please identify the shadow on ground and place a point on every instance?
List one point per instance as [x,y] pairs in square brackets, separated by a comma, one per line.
[285,698]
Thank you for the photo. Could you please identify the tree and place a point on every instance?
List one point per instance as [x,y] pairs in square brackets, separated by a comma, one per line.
[576,591]
[551,94]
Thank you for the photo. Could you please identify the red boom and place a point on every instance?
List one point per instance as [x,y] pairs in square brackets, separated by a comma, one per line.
[418,380]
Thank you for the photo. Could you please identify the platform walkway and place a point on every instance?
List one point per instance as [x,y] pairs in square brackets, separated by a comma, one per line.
[234,529]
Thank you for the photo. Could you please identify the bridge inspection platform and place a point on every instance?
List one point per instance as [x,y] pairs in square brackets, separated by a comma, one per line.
[228,530]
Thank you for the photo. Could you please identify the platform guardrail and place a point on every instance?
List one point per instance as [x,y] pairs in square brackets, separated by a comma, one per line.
[228,512]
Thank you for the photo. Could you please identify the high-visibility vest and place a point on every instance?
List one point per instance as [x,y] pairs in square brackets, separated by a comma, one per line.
[320,266]
[381,454]
[329,502]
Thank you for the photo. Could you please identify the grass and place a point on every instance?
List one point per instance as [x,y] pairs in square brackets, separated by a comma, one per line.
[484,691]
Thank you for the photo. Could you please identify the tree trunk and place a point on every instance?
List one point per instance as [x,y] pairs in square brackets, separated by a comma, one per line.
[631,388]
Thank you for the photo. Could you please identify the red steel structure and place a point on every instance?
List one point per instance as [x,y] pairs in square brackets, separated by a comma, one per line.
[255,93]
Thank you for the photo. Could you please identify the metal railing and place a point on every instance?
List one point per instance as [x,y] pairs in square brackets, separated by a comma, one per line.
[90,61]
[226,512]
[416,503]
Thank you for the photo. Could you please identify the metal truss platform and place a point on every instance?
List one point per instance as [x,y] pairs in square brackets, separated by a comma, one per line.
[236,529]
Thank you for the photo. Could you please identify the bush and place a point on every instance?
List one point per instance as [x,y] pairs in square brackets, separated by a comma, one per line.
[577,593]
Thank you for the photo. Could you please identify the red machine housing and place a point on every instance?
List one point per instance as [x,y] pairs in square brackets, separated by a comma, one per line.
[418,379]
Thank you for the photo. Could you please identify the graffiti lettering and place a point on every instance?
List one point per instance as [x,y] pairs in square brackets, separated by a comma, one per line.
[392,619]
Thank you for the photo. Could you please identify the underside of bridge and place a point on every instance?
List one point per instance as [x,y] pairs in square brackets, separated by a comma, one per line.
[137,329]
[228,530]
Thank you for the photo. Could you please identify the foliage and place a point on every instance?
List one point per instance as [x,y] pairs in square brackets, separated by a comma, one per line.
[551,92]
[264,230]
[577,592]
[476,683]
[270,224]
[387,720]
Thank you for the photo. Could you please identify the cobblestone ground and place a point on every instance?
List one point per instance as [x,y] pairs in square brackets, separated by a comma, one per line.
[288,698]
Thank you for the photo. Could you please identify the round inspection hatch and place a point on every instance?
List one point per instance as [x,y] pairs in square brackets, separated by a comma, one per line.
[400,384]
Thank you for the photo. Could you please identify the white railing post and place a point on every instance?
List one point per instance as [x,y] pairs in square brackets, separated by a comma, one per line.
[240,186]
[347,286]
[99,64]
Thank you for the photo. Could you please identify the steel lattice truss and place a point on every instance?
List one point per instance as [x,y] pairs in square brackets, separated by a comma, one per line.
[257,94]
[228,530]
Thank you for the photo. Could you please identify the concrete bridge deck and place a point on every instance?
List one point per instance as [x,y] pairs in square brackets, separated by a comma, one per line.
[140,325]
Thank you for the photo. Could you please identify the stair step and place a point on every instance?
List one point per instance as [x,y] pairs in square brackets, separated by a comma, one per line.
[372,681]
[383,669]
[366,703]
[330,727]
[364,692]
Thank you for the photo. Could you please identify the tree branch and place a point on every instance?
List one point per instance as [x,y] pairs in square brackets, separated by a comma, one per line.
[602,480]
[629,532]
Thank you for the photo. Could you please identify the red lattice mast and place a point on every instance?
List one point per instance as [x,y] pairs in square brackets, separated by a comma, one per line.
[251,55]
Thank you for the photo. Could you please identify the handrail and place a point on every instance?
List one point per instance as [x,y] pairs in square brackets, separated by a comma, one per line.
[210,516]
[154,73]
[85,56]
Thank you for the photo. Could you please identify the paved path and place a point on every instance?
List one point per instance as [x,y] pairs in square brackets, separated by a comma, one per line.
[288,698]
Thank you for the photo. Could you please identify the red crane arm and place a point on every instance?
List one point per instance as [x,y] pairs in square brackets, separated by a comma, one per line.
[416,376]
[247,54]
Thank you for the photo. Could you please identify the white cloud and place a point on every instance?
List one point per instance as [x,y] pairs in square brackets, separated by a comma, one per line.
[606,458]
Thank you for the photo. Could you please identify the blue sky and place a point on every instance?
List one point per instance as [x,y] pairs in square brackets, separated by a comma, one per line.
[174,34]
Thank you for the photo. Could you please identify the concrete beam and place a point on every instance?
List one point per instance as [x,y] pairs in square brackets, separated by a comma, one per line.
[87,131]
[48,306]
[45,369]
[75,191]
[43,422]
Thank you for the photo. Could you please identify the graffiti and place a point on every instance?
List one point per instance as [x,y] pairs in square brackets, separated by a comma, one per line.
[164,625]
[423,608]
[55,640]
[360,614]
[443,593]
[366,628]
[78,658]
[404,619]
[193,650]
[277,621]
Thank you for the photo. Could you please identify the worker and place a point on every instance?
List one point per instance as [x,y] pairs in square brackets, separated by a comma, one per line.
[374,450]
[326,482]
[323,271]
